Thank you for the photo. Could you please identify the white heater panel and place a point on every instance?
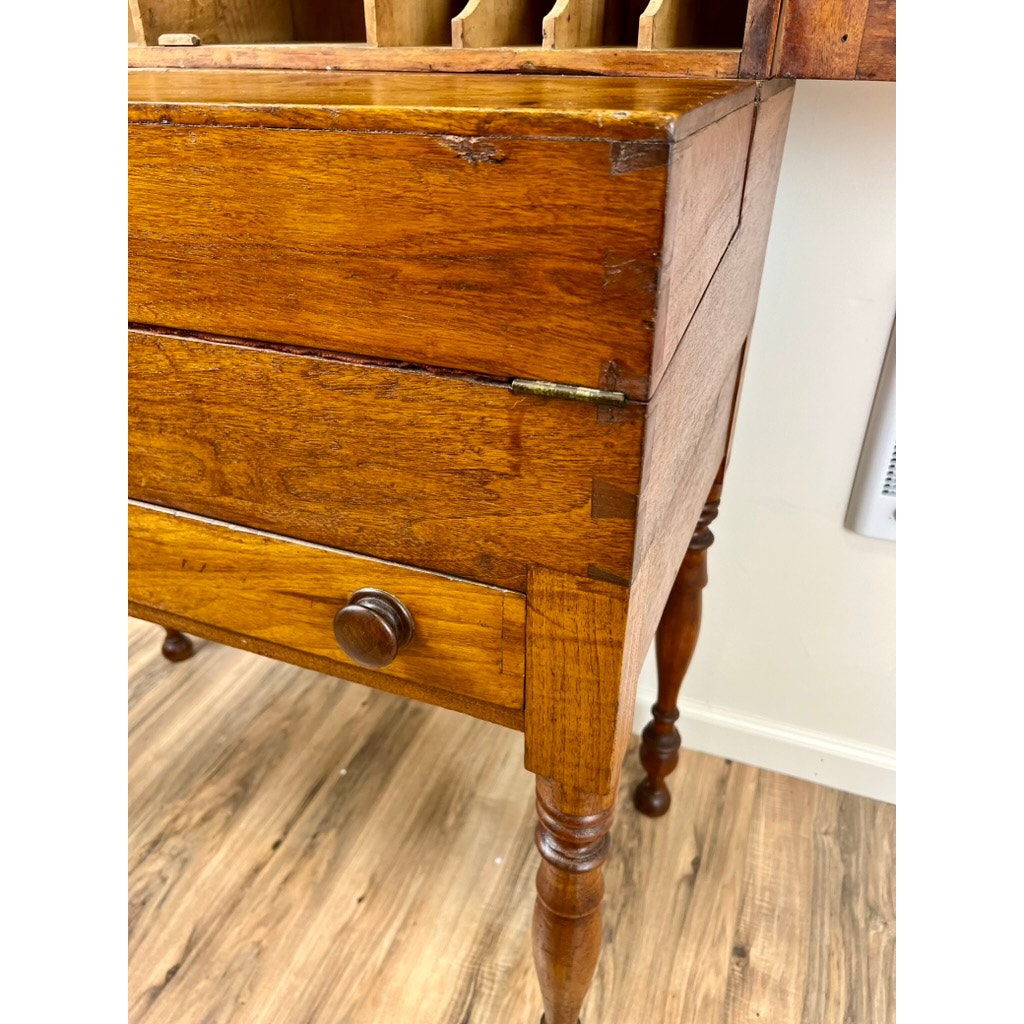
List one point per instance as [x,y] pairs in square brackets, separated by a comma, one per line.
[872,509]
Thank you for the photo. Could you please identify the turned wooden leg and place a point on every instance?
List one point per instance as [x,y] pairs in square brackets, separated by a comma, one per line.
[573,839]
[675,643]
[176,646]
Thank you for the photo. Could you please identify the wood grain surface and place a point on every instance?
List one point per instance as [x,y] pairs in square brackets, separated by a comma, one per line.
[307,851]
[402,247]
[499,23]
[759,34]
[702,63]
[510,718]
[673,504]
[689,426]
[573,839]
[438,472]
[820,38]
[837,39]
[824,39]
[240,21]
[469,638]
[412,246]
[702,213]
[574,23]
[544,106]
[401,23]
[576,709]
[665,24]
[877,58]
[678,471]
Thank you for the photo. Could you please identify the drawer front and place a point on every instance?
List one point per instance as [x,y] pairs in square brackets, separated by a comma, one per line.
[468,639]
[448,474]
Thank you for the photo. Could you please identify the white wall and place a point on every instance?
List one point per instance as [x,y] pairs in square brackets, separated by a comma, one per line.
[795,668]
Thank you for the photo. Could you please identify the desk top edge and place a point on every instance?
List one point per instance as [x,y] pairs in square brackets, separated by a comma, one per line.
[479,104]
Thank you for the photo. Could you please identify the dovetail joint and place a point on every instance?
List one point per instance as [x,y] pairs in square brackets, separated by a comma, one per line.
[568,392]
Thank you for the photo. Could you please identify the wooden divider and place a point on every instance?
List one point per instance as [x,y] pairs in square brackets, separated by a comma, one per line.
[241,21]
[484,23]
[251,21]
[574,23]
[599,26]
[405,23]
[668,24]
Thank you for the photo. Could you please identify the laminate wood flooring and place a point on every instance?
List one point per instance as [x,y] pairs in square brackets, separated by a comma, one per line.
[309,851]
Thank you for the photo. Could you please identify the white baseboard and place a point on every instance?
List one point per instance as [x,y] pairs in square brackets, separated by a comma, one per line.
[767,743]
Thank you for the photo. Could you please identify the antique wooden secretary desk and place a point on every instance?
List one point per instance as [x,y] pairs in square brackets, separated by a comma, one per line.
[437,321]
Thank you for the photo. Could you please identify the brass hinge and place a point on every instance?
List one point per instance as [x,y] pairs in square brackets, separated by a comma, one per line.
[569,392]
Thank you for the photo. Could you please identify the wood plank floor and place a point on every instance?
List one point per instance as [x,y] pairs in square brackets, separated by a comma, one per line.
[308,851]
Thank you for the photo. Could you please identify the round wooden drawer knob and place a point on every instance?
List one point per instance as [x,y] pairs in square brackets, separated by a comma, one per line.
[373,627]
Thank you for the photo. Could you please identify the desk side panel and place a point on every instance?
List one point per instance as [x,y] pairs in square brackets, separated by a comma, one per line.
[705,190]
[689,418]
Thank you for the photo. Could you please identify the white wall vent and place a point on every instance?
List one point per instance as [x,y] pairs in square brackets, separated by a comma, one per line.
[889,487]
[872,509]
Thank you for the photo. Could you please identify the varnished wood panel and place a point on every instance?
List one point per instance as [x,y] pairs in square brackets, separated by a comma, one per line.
[411,246]
[549,107]
[681,23]
[690,415]
[832,39]
[574,23]
[249,21]
[577,714]
[667,23]
[401,23]
[498,23]
[287,593]
[705,190]
[302,849]
[239,21]
[759,34]
[400,246]
[511,718]
[439,472]
[820,38]
[689,421]
[877,60]
[673,503]
[702,63]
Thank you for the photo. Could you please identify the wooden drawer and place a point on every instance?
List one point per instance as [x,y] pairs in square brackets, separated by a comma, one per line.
[457,475]
[468,640]
[502,226]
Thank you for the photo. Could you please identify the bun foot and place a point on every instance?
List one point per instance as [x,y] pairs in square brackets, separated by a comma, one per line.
[651,801]
[177,646]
